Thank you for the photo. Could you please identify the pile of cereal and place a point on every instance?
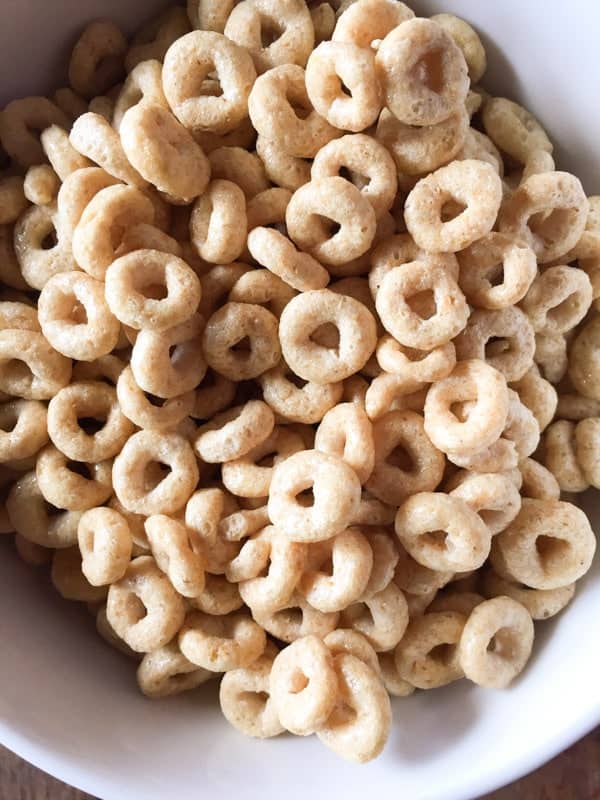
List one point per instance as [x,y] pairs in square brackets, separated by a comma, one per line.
[298,350]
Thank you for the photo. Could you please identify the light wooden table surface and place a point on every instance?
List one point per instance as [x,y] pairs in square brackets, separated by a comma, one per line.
[573,775]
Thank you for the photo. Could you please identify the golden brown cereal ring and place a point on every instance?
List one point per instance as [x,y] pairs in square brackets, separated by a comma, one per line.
[373,512]
[129,279]
[208,52]
[218,224]
[273,31]
[305,314]
[267,208]
[246,476]
[504,339]
[419,466]
[93,136]
[165,374]
[345,640]
[366,22]
[295,619]
[217,282]
[246,702]
[203,513]
[551,356]
[155,37]
[576,407]
[558,300]
[541,603]
[336,200]
[74,195]
[23,429]
[105,543]
[283,169]
[20,124]
[86,423]
[416,91]
[496,642]
[16,315]
[213,394]
[404,322]
[342,85]
[584,359]
[417,365]
[219,596]
[164,152]
[480,147]
[344,582]
[148,237]
[346,432]
[235,432]
[144,413]
[273,250]
[97,59]
[296,400]
[41,185]
[240,524]
[496,271]
[31,516]
[442,532]
[103,223]
[416,656]
[75,487]
[587,443]
[167,494]
[12,199]
[393,393]
[143,84]
[561,457]
[538,482]
[166,672]
[336,493]
[477,189]
[513,129]
[39,247]
[493,496]
[271,105]
[364,157]
[233,323]
[75,317]
[29,367]
[178,552]
[468,41]
[241,167]
[221,643]
[550,544]
[143,608]
[548,212]
[69,581]
[395,686]
[381,618]
[262,287]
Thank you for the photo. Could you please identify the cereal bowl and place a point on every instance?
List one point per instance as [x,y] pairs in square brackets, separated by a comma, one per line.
[69,704]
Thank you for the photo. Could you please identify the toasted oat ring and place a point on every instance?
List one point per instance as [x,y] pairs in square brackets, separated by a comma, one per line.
[155,37]
[169,493]
[65,300]
[93,401]
[286,171]
[178,552]
[263,288]
[166,672]
[558,300]
[29,367]
[345,640]
[273,115]
[63,487]
[537,481]
[250,20]
[246,477]
[41,185]
[393,392]
[233,323]
[213,394]
[295,619]
[93,136]
[561,458]
[30,516]
[466,543]
[130,279]
[508,625]
[513,129]
[168,375]
[20,124]
[77,190]
[164,152]
[548,212]
[584,360]
[381,618]
[143,84]
[305,314]
[306,404]
[304,685]
[587,439]
[417,365]
[323,20]
[105,544]
[97,59]
[364,157]
[493,255]
[267,208]
[366,22]
[468,41]
[469,380]
[276,252]
[145,414]
[246,703]
[406,324]
[336,491]
[23,429]
[103,223]
[512,355]
[144,585]
[403,432]
[415,579]
[540,603]
[336,199]
[32,232]
[333,65]
[413,658]
[407,60]
[239,166]
[218,225]
[472,184]
[346,432]
[418,150]
[548,545]
[235,432]
[221,643]
[493,496]
[208,52]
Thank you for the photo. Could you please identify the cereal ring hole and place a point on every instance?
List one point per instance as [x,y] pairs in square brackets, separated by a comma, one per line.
[80,468]
[496,345]
[270,31]
[50,239]
[437,539]
[502,644]
[423,303]
[443,653]
[429,71]
[154,473]
[9,420]
[135,609]
[306,498]
[551,551]
[401,458]
[91,425]
[297,682]
[451,209]
[326,335]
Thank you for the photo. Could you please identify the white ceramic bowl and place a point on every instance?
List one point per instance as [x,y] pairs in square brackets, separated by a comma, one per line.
[69,705]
